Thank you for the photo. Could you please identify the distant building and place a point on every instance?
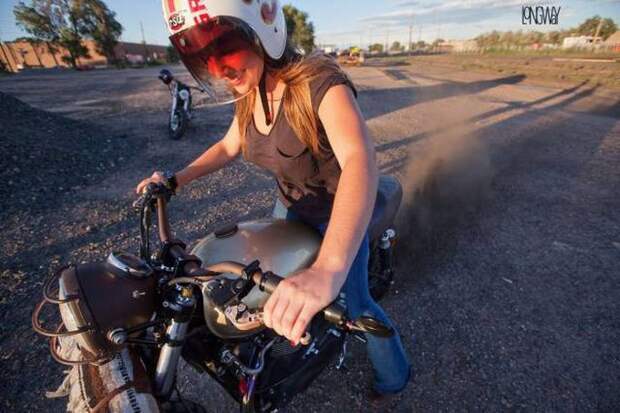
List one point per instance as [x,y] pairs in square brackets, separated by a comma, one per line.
[457,46]
[463,45]
[328,48]
[19,55]
[580,42]
[613,42]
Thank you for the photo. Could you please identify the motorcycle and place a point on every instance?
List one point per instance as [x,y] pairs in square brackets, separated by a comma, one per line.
[181,109]
[146,312]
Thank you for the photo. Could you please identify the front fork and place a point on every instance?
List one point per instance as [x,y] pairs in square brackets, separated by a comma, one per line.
[175,100]
[182,306]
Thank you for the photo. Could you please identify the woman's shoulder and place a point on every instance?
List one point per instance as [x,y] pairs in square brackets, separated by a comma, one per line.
[326,74]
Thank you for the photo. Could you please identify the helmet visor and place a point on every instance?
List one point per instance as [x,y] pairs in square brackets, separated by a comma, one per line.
[216,54]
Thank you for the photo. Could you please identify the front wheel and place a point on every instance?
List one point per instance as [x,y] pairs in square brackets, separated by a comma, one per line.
[178,124]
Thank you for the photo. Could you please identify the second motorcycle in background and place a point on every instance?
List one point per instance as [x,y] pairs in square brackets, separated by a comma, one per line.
[181,109]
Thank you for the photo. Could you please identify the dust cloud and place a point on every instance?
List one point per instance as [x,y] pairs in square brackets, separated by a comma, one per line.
[448,178]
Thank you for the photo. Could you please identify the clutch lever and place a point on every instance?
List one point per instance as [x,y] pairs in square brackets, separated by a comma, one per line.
[150,194]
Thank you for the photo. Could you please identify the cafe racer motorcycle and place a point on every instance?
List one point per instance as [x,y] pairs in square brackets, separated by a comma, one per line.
[142,313]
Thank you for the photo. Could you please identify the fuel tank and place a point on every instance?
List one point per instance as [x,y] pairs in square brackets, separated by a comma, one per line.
[281,246]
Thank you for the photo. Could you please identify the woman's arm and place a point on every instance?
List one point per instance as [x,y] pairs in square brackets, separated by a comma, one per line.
[299,298]
[211,160]
[214,158]
[357,188]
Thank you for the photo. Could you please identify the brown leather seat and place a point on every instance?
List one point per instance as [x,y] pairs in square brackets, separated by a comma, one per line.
[389,196]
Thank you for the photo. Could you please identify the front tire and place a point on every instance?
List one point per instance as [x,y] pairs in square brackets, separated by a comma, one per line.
[178,124]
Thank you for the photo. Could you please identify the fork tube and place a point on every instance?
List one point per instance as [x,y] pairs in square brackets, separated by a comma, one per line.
[165,373]
[175,97]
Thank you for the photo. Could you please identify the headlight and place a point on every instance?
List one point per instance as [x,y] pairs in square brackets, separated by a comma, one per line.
[184,94]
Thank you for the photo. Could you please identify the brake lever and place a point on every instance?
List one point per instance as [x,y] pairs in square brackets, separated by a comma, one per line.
[149,195]
[146,196]
[370,325]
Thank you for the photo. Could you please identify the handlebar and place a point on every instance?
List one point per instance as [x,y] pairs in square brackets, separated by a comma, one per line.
[333,313]
[158,195]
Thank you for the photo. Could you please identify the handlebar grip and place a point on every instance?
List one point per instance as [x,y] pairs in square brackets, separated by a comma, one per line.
[333,313]
[268,281]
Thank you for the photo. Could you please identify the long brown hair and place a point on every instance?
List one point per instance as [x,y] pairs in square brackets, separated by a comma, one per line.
[296,72]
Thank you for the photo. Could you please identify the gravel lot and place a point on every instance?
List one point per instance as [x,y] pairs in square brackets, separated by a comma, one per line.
[508,289]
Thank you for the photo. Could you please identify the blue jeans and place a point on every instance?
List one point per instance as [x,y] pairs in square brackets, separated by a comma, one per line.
[388,358]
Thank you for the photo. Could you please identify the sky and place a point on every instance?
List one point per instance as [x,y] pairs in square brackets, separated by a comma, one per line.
[344,23]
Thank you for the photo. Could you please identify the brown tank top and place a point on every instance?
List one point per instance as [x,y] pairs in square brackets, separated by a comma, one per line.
[306,182]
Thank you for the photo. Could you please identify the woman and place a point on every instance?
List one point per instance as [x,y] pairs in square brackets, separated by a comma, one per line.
[298,118]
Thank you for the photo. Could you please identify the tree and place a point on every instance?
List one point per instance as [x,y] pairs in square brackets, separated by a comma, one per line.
[533,37]
[396,47]
[299,29]
[58,22]
[376,47]
[520,38]
[172,55]
[590,26]
[487,40]
[554,37]
[508,38]
[101,25]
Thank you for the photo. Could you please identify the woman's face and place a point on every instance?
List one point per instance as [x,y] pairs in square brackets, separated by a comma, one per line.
[241,69]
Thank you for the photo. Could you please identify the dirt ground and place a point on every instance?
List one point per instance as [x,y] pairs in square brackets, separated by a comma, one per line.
[507,295]
[552,68]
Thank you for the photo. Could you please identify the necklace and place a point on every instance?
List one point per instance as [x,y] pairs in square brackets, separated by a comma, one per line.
[272,106]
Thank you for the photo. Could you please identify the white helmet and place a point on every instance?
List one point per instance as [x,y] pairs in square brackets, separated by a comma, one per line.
[200,29]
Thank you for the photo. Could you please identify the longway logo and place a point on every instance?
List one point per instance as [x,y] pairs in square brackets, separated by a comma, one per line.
[540,14]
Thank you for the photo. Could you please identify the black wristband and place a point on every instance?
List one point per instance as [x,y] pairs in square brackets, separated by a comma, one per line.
[171,181]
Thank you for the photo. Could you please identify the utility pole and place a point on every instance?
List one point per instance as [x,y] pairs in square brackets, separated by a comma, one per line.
[146,50]
[409,44]
[387,40]
[410,29]
[598,28]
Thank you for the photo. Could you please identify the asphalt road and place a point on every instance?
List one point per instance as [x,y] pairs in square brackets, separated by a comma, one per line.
[508,289]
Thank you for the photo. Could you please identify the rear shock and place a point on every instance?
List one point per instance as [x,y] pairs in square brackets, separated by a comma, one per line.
[381,271]
[385,249]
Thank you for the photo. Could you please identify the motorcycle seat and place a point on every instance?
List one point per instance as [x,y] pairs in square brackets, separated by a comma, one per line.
[389,196]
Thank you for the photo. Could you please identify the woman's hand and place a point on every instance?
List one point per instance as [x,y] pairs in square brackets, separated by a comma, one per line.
[157,177]
[298,298]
